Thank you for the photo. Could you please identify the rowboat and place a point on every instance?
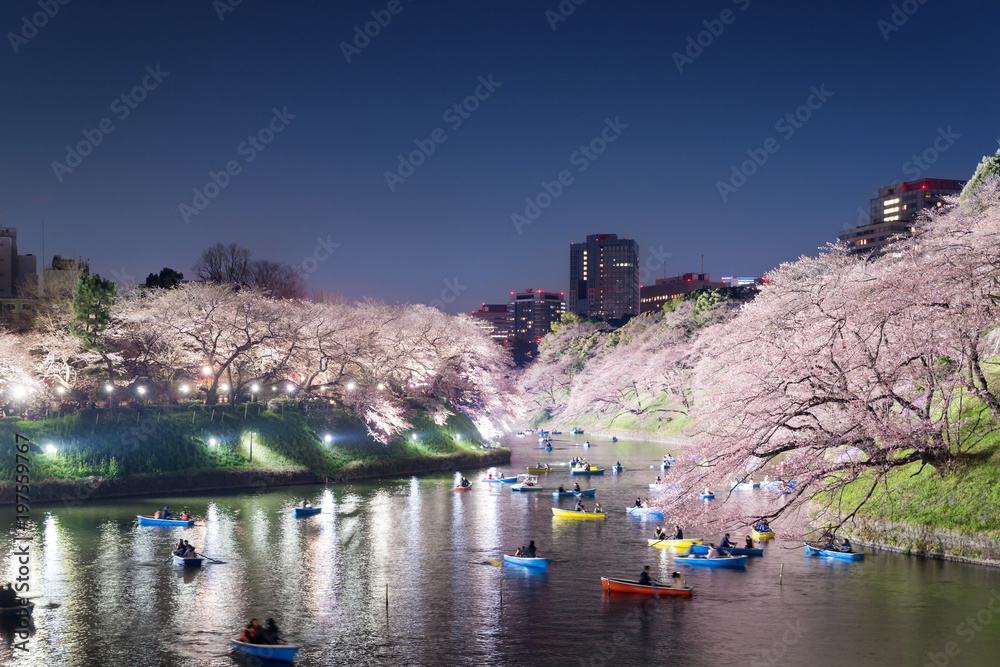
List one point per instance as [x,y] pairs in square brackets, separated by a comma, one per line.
[548,448]
[150,521]
[614,439]
[499,480]
[702,550]
[572,514]
[308,511]
[723,561]
[645,511]
[587,471]
[622,586]
[708,496]
[279,652]
[588,493]
[538,471]
[675,544]
[576,431]
[537,563]
[555,432]
[767,535]
[463,488]
[518,435]
[833,553]
[745,486]
[19,610]
[180,561]
[616,469]
[526,483]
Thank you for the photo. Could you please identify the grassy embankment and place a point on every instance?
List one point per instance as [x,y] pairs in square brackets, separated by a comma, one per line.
[124,448]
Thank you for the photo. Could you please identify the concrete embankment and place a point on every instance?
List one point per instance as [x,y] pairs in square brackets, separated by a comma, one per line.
[74,492]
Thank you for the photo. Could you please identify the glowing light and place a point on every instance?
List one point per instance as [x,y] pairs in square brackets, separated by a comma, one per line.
[213,442]
[207,370]
[413,437]
[60,390]
[254,388]
[19,391]
[141,390]
[289,388]
[50,449]
[381,386]
[184,389]
[224,387]
[327,438]
[109,388]
[458,436]
[350,386]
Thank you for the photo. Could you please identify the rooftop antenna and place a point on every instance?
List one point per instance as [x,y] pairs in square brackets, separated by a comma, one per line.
[703,264]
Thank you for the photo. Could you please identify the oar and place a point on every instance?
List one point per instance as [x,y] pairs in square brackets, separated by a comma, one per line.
[211,559]
[168,560]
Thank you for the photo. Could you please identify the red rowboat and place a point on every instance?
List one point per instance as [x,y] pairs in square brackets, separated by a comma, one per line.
[622,586]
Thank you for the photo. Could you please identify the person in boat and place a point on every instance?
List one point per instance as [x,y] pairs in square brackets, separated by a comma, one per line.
[707,492]
[749,542]
[579,506]
[576,487]
[253,633]
[638,502]
[270,632]
[156,514]
[762,527]
[8,598]
[678,533]
[520,552]
[660,534]
[531,550]
[185,516]
[561,489]
[845,546]
[726,542]
[645,502]
[598,509]
[465,482]
[678,580]
[165,513]
[658,480]
[179,551]
[644,578]
[618,465]
[712,551]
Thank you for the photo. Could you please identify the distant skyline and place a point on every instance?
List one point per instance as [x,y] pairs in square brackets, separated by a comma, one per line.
[451,152]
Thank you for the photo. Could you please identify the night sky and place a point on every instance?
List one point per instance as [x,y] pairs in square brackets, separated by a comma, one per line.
[279,72]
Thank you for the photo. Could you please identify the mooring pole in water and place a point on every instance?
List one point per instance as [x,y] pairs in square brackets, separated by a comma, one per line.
[387,601]
[781,572]
[501,592]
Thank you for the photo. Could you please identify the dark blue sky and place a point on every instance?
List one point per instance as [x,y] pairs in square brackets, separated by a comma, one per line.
[323,175]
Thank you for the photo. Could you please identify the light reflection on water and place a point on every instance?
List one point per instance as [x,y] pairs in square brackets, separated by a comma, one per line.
[107,598]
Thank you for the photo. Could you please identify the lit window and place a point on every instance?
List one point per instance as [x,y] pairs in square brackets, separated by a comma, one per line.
[891,210]
[890,202]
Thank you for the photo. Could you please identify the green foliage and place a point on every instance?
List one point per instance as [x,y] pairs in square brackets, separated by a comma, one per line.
[92,301]
[567,318]
[990,166]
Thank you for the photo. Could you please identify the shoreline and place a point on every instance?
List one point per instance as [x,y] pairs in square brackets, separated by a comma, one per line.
[623,434]
[77,492]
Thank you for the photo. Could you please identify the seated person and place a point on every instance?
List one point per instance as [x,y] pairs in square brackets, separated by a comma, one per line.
[644,578]
[638,502]
[658,480]
[660,534]
[712,551]
[165,514]
[519,552]
[678,533]
[180,548]
[576,487]
[726,542]
[253,633]
[579,506]
[185,516]
[597,508]
[749,542]
[270,632]
[845,546]
[561,489]
[530,553]
[156,514]
[8,598]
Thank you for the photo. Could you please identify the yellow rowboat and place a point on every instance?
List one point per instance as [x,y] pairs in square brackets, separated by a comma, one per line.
[570,514]
[537,471]
[762,536]
[675,544]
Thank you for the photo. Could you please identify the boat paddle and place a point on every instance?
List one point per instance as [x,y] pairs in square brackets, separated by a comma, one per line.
[212,559]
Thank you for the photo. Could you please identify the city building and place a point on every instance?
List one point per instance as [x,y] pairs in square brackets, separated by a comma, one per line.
[604,277]
[18,273]
[59,280]
[495,319]
[652,297]
[893,213]
[531,313]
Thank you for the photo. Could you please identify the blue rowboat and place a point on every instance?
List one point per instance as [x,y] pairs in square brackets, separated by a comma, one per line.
[645,511]
[833,553]
[616,469]
[592,471]
[548,448]
[588,493]
[150,521]
[555,432]
[180,561]
[725,561]
[499,480]
[20,610]
[708,496]
[537,563]
[702,550]
[279,652]
[298,511]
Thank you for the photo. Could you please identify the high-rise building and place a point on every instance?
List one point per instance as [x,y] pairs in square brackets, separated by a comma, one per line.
[18,273]
[495,319]
[531,313]
[604,277]
[894,212]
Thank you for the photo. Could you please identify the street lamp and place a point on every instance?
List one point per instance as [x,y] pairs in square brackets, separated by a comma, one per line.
[185,389]
[289,388]
[50,449]
[224,388]
[212,442]
[350,386]
[254,388]
[251,446]
[327,438]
